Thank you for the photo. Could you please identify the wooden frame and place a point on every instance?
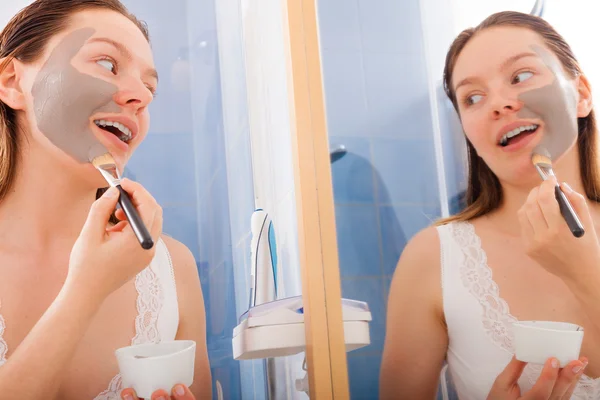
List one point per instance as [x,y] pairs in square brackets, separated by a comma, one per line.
[321,287]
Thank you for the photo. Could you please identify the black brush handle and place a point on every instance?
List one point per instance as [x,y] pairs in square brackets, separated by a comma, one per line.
[568,213]
[134,220]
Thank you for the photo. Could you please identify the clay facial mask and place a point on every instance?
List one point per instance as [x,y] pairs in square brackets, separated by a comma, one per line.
[65,99]
[556,106]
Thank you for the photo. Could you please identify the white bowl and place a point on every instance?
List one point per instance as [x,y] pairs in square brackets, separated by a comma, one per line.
[537,341]
[150,367]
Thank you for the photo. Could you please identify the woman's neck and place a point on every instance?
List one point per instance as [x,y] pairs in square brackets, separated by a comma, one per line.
[506,216]
[45,205]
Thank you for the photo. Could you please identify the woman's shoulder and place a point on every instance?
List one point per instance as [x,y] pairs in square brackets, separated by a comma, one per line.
[422,244]
[192,315]
[418,273]
[421,255]
[182,259]
[187,279]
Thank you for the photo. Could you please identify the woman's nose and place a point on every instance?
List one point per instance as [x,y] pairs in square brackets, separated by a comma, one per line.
[133,93]
[505,104]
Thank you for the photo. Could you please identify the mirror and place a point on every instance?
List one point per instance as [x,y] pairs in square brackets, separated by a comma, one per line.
[404,161]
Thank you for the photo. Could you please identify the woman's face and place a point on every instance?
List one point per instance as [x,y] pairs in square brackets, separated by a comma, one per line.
[515,97]
[89,93]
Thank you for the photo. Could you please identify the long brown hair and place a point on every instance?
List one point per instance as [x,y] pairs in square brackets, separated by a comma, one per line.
[484,192]
[24,38]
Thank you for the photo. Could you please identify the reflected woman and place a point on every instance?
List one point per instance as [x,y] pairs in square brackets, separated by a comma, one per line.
[508,255]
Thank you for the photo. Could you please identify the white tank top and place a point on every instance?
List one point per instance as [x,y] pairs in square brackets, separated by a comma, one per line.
[479,320]
[158,312]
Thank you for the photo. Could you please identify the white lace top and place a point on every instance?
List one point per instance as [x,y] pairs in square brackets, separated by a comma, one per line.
[479,320]
[158,313]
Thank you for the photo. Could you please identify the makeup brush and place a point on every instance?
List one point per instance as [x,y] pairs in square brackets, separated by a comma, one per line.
[543,165]
[107,167]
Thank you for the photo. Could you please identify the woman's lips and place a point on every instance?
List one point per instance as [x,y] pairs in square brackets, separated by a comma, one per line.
[521,141]
[113,143]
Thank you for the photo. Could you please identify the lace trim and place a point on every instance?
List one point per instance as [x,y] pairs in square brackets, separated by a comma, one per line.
[477,277]
[114,390]
[149,303]
[3,345]
[497,320]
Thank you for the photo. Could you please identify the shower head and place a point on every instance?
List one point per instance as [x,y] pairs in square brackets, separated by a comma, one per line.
[337,153]
[538,8]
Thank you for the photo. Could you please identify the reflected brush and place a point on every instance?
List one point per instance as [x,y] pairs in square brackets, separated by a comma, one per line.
[108,168]
[543,165]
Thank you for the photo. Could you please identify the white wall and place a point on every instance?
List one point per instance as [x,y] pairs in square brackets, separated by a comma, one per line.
[576,20]
[469,13]
[9,8]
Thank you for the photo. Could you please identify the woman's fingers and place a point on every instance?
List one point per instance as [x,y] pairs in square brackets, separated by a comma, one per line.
[511,374]
[548,204]
[149,210]
[160,395]
[534,213]
[179,392]
[545,384]
[182,392]
[129,394]
[578,371]
[567,378]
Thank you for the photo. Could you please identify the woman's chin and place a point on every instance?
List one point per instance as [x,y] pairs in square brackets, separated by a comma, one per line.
[525,183]
[89,177]
[96,179]
[524,176]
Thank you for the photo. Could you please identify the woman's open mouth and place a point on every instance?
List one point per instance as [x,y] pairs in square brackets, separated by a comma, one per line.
[116,128]
[518,134]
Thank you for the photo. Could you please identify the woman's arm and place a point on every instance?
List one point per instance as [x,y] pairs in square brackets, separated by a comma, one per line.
[100,262]
[416,338]
[192,316]
[35,369]
[549,241]
[586,291]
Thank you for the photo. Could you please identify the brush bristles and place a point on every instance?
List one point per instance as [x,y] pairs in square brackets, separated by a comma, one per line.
[540,159]
[103,160]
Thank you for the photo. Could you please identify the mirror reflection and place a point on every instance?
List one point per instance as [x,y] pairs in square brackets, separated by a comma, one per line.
[441,214]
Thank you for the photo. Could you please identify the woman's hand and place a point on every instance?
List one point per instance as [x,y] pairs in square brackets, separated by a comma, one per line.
[179,392]
[548,239]
[554,383]
[104,258]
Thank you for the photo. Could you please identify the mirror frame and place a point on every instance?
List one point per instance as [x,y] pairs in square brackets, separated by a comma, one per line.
[319,263]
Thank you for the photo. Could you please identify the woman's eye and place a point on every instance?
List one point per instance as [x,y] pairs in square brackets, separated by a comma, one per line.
[108,64]
[523,76]
[474,99]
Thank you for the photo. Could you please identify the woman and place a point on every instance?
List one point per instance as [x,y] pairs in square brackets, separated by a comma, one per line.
[73,286]
[509,255]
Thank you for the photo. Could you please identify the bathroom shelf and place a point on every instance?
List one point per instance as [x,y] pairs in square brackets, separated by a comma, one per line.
[276,329]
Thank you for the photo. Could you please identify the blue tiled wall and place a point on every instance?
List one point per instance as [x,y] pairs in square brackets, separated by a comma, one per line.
[386,186]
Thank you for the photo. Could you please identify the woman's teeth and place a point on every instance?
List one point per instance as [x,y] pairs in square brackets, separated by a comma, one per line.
[515,132]
[122,132]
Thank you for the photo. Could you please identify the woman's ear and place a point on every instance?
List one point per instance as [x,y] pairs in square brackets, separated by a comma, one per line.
[584,102]
[10,85]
